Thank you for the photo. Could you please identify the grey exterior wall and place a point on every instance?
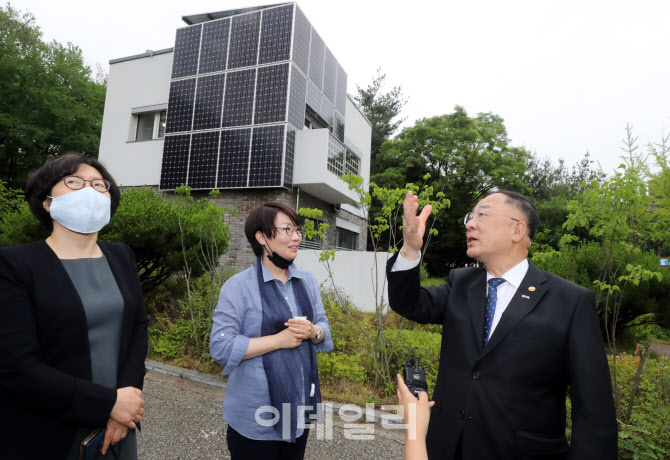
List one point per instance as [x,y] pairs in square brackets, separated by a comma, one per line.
[239,255]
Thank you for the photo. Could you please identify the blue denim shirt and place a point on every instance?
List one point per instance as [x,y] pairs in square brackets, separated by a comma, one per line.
[238,317]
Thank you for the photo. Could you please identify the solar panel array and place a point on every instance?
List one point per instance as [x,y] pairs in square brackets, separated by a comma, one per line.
[239,89]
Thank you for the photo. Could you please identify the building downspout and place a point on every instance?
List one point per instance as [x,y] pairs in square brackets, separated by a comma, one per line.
[297,200]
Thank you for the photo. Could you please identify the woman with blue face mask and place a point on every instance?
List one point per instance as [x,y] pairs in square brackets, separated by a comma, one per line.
[73,327]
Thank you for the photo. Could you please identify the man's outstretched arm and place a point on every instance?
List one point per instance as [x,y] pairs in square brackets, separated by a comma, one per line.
[406,297]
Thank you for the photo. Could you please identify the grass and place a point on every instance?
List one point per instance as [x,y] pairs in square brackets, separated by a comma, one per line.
[189,362]
[344,391]
[433,282]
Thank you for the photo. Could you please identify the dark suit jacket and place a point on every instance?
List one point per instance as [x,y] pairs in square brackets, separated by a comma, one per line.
[507,400]
[45,366]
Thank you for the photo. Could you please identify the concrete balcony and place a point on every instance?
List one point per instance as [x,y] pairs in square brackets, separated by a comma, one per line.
[319,161]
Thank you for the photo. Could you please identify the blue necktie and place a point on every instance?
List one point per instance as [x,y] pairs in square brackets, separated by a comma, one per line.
[491,300]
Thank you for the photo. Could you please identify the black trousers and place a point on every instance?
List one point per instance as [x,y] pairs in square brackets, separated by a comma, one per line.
[242,448]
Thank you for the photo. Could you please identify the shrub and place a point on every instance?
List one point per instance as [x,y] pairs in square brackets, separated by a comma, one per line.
[169,339]
[10,199]
[643,330]
[350,359]
[183,328]
[338,365]
[167,233]
[645,434]
[582,265]
[427,346]
[20,227]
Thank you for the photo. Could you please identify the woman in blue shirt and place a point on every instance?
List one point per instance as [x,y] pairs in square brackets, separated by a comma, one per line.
[268,324]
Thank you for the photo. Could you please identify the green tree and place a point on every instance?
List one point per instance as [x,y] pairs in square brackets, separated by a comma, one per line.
[611,222]
[383,110]
[49,103]
[614,227]
[552,185]
[10,199]
[167,234]
[383,230]
[659,191]
[465,157]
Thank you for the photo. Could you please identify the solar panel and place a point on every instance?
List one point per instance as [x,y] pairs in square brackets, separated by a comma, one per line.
[186,49]
[239,102]
[234,158]
[208,102]
[214,47]
[296,102]
[330,76]
[339,127]
[202,164]
[244,40]
[277,25]
[314,97]
[288,157]
[328,112]
[301,36]
[316,60]
[180,106]
[267,149]
[271,94]
[175,161]
[240,86]
[341,95]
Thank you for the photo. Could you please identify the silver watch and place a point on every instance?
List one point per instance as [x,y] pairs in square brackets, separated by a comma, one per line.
[318,334]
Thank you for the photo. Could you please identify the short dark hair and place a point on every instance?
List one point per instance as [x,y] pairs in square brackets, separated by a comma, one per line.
[262,218]
[42,180]
[523,204]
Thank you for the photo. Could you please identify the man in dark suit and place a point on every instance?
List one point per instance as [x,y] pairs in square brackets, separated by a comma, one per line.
[515,339]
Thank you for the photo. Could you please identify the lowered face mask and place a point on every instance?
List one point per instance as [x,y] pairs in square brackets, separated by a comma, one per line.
[82,211]
[276,259]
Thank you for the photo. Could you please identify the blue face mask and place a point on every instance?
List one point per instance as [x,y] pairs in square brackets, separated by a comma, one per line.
[82,211]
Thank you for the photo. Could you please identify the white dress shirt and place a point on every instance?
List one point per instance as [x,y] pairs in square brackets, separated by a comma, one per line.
[506,290]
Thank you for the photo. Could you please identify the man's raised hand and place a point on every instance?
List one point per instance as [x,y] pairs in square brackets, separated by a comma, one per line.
[413,226]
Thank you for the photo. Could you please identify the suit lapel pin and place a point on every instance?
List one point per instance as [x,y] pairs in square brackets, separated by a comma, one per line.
[531,288]
[525,296]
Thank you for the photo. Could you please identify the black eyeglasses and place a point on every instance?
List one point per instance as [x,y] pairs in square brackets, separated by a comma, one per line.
[290,229]
[479,215]
[77,183]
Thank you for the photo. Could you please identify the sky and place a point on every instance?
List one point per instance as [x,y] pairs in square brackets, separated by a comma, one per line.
[566,76]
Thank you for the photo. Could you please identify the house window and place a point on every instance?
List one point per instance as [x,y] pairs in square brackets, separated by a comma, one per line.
[336,154]
[314,121]
[346,239]
[149,125]
[341,160]
[311,243]
[353,163]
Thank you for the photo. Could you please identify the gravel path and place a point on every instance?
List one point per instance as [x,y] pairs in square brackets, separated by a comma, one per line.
[183,421]
[661,349]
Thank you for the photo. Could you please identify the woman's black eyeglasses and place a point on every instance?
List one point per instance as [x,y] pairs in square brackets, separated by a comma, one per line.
[289,229]
[77,183]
